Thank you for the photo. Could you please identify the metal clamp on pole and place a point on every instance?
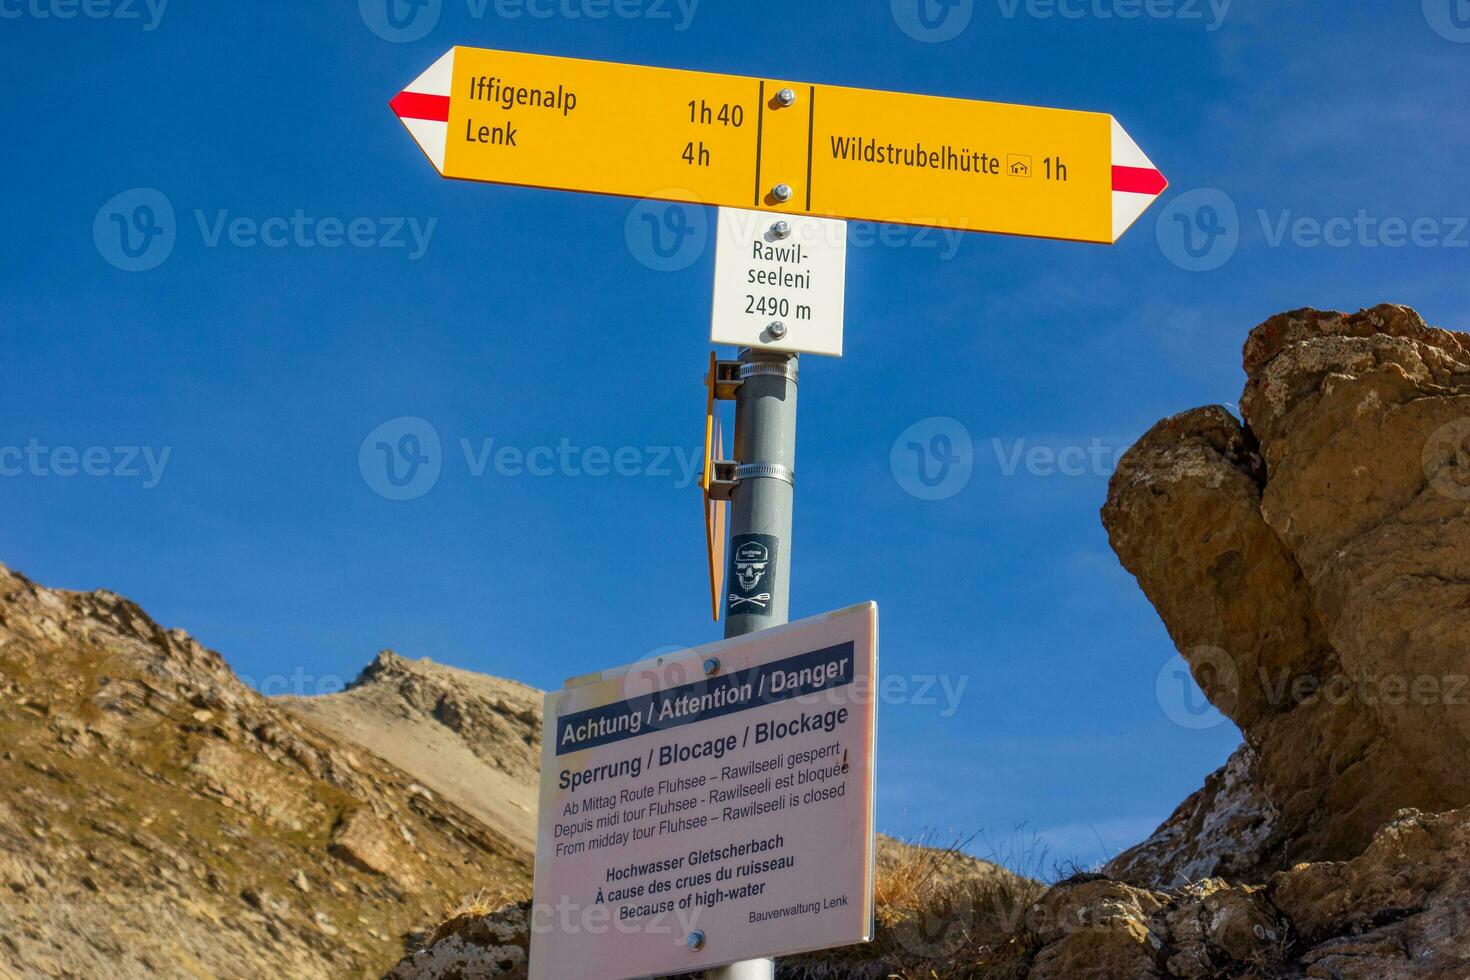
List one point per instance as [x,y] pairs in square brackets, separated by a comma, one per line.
[764,471]
[726,475]
[784,368]
[730,375]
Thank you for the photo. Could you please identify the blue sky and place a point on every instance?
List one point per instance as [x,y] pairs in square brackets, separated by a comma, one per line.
[189,435]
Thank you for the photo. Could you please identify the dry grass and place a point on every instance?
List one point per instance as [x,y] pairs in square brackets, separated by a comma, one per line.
[485,902]
[942,915]
[908,873]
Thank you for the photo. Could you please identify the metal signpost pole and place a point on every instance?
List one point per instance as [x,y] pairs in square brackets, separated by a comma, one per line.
[747,970]
[758,583]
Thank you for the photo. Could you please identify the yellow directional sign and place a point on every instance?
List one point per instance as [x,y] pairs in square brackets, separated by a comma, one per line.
[775,145]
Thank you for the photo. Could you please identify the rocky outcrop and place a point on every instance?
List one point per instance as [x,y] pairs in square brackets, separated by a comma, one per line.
[934,905]
[1398,911]
[1227,829]
[1312,564]
[472,739]
[473,946]
[159,818]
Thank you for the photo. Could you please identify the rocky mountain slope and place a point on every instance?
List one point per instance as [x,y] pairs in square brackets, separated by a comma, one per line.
[159,818]
[473,739]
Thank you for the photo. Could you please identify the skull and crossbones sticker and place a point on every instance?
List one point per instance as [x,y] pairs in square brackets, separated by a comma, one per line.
[752,569]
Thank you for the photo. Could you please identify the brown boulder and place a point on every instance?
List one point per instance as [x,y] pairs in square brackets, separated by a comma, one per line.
[1313,567]
[366,842]
[1096,930]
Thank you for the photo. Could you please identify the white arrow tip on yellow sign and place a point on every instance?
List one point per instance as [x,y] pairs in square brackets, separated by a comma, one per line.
[423,107]
[1137,183]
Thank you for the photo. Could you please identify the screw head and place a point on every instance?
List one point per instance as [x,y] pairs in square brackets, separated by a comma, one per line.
[781,229]
[786,97]
[781,192]
[711,668]
[777,330]
[695,941]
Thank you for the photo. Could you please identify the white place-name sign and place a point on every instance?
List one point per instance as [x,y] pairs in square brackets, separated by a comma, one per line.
[710,806]
[780,282]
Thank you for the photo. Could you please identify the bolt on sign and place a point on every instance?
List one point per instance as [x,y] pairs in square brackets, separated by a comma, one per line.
[784,146]
[710,807]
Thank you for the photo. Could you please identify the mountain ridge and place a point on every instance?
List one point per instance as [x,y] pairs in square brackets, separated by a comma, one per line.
[159,817]
[474,738]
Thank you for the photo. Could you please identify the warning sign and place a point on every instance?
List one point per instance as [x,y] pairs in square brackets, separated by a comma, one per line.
[710,807]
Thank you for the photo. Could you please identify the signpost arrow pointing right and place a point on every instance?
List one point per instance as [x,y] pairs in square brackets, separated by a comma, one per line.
[1137,183]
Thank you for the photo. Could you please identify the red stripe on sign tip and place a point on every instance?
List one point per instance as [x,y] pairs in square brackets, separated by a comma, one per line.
[417,105]
[1138,180]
